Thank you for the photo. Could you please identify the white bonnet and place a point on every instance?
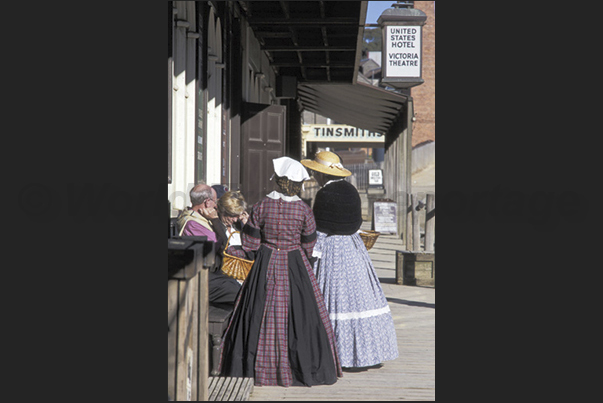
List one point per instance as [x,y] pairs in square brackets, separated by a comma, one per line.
[292,169]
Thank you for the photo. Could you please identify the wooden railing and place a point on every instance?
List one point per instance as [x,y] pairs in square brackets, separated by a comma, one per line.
[420,218]
[188,352]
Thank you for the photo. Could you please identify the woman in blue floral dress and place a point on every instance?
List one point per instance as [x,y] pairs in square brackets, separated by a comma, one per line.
[361,318]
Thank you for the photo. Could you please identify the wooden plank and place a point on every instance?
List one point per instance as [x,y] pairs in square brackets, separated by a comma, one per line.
[202,333]
[246,389]
[230,388]
[194,329]
[225,386]
[416,229]
[408,232]
[212,383]
[216,388]
[185,354]
[172,336]
[430,223]
[181,342]
[234,390]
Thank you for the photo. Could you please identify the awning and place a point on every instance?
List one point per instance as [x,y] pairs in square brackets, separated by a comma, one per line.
[313,41]
[319,43]
[360,105]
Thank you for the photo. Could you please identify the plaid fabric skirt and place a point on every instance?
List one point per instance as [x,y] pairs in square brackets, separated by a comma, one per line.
[361,318]
[280,332]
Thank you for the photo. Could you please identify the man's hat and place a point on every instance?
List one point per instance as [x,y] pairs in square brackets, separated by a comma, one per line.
[327,163]
[220,190]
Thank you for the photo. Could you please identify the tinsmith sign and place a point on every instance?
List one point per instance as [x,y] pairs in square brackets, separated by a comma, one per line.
[340,134]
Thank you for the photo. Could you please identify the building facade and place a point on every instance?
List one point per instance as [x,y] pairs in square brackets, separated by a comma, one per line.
[240,75]
[215,66]
[233,73]
[424,94]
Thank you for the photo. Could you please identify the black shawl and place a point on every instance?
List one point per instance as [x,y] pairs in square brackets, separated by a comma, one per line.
[338,209]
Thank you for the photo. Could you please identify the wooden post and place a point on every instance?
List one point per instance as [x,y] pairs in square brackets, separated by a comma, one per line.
[430,223]
[203,349]
[182,338]
[195,380]
[172,335]
[407,151]
[416,228]
[185,355]
[188,307]
[408,233]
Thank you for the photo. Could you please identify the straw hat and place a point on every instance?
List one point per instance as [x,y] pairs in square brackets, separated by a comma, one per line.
[327,163]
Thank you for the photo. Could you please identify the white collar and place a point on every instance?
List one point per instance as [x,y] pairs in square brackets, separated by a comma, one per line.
[332,181]
[277,195]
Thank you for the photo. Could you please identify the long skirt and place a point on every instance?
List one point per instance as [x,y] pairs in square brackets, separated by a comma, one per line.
[280,333]
[361,318]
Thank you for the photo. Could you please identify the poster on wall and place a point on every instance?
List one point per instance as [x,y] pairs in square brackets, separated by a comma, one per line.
[375,177]
[385,217]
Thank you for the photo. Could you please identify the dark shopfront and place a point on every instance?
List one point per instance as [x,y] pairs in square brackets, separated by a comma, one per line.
[235,71]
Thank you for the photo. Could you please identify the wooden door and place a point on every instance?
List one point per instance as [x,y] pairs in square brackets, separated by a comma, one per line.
[262,140]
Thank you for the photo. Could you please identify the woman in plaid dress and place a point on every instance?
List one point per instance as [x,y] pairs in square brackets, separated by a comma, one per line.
[280,332]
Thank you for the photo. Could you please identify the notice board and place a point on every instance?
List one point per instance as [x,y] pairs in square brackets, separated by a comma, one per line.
[385,217]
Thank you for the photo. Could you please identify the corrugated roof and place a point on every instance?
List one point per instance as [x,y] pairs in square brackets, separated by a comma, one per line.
[360,105]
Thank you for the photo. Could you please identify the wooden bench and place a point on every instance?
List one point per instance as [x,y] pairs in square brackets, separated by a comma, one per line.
[219,316]
[230,389]
[223,388]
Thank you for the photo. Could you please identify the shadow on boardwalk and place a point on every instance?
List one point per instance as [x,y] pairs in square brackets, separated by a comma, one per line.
[410,303]
[409,377]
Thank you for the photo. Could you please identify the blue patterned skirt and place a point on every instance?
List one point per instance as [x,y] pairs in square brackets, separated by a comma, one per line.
[361,318]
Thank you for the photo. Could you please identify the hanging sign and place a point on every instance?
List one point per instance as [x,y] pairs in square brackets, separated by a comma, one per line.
[403,51]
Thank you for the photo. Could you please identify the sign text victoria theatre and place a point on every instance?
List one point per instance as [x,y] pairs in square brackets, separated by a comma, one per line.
[403,51]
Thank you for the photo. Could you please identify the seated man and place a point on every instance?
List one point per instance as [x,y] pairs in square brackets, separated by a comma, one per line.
[201,220]
[193,221]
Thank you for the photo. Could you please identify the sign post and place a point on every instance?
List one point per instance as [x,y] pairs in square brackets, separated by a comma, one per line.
[401,58]
[401,68]
[375,178]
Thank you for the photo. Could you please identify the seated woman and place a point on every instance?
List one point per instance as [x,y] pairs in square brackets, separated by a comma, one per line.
[232,213]
[230,217]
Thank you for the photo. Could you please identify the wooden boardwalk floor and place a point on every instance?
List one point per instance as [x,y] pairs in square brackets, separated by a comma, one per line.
[412,375]
[229,389]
